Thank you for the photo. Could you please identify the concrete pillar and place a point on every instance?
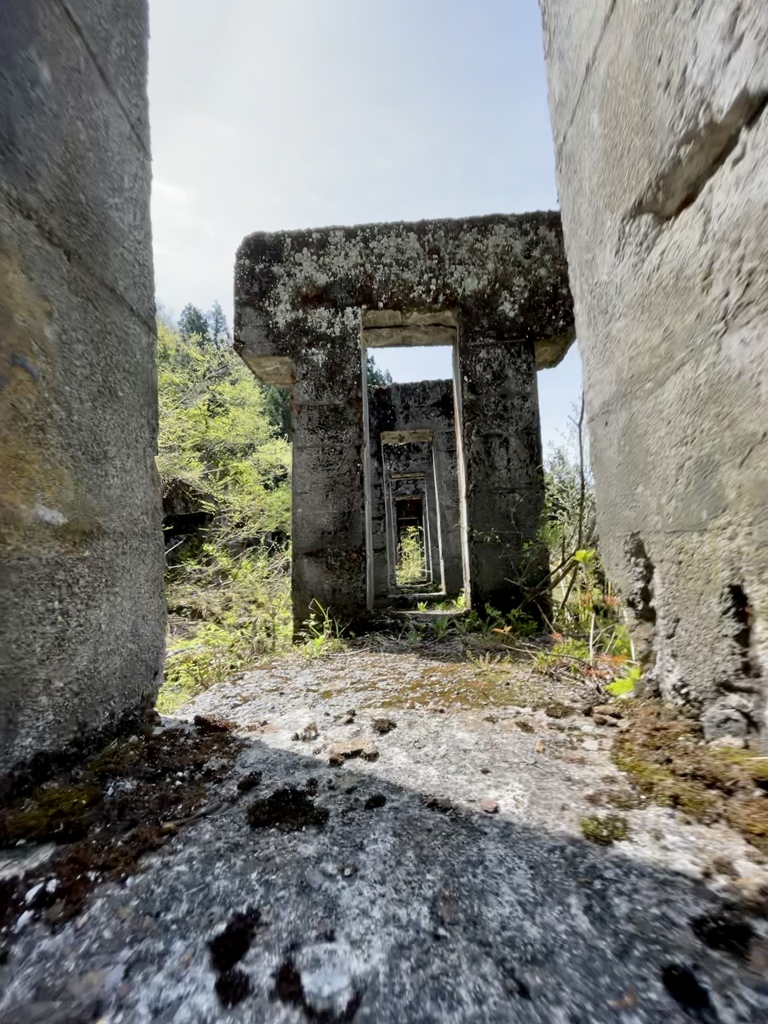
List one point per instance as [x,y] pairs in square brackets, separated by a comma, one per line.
[81,556]
[660,120]
[504,480]
[328,525]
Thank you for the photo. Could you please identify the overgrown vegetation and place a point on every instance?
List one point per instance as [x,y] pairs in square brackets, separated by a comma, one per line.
[411,558]
[223,437]
[587,627]
[604,829]
[668,761]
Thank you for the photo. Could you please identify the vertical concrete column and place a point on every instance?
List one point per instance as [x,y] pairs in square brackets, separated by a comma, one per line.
[380,418]
[447,490]
[81,556]
[329,560]
[660,121]
[504,480]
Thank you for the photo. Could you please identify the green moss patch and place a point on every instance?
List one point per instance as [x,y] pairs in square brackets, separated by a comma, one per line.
[668,761]
[106,814]
[604,830]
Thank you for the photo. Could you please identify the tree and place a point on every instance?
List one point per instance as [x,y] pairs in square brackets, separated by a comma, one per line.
[377,378]
[217,324]
[277,405]
[194,324]
[216,435]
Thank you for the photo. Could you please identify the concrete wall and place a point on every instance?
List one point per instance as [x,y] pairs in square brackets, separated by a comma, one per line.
[81,606]
[307,303]
[424,405]
[661,138]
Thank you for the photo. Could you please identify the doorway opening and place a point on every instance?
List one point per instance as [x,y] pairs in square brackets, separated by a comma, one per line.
[411,568]
[416,544]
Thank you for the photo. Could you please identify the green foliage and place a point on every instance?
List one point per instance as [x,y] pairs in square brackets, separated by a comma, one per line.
[570,653]
[591,637]
[626,684]
[377,378]
[605,830]
[228,591]
[277,405]
[322,634]
[411,563]
[217,326]
[193,324]
[215,432]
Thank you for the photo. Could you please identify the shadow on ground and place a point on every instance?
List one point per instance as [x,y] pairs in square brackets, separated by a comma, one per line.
[353,899]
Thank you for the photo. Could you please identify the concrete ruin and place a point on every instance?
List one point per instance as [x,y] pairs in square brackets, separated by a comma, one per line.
[661,137]
[309,305]
[414,471]
[81,602]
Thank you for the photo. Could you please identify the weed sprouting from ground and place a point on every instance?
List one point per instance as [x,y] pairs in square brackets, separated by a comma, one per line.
[322,634]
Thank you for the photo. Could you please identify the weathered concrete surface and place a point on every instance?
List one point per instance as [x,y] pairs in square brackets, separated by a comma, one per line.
[494,287]
[661,138]
[425,406]
[81,608]
[420,907]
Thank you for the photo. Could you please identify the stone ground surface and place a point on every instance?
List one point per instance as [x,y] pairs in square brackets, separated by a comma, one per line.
[449,883]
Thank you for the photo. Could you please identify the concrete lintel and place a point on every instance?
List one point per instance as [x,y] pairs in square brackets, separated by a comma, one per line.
[277,370]
[398,318]
[406,436]
[405,335]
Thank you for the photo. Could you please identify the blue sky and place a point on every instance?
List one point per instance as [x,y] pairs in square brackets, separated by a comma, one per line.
[278,114]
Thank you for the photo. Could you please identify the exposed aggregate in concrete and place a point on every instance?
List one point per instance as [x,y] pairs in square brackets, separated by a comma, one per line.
[404,898]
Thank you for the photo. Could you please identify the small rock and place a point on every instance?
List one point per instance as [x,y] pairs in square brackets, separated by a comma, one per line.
[684,987]
[724,866]
[374,801]
[313,878]
[490,718]
[383,725]
[728,743]
[489,806]
[591,743]
[213,723]
[438,803]
[88,984]
[607,711]
[359,747]
[289,809]
[347,870]
[485,771]
[307,734]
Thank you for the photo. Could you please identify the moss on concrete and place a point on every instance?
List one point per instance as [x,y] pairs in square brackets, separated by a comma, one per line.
[603,831]
[668,761]
[107,813]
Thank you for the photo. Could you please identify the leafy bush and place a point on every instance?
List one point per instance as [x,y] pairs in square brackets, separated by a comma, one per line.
[228,590]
